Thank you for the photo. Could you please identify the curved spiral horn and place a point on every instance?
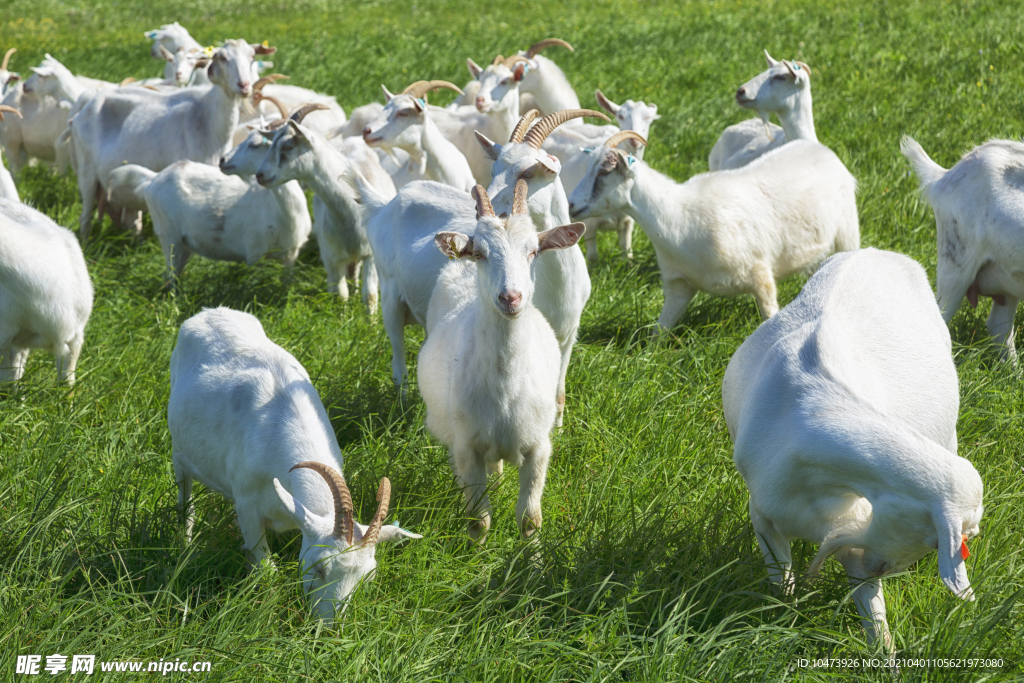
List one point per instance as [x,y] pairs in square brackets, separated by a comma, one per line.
[508,62]
[483,202]
[7,58]
[539,133]
[343,524]
[622,135]
[545,44]
[524,124]
[384,497]
[258,97]
[4,107]
[130,79]
[270,78]
[419,89]
[306,109]
[519,199]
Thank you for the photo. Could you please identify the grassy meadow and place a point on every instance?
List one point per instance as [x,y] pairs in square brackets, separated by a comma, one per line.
[648,569]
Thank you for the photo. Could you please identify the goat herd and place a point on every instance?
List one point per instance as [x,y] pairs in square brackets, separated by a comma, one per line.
[842,412]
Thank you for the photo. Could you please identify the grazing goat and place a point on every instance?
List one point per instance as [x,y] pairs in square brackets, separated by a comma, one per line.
[488,369]
[730,232]
[300,153]
[246,421]
[45,292]
[979,215]
[156,129]
[406,124]
[784,90]
[842,414]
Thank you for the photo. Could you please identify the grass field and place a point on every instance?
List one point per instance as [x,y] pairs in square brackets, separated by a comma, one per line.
[648,567]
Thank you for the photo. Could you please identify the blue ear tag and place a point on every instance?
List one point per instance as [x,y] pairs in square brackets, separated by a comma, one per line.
[796,66]
[395,524]
[151,34]
[423,103]
[587,150]
[631,160]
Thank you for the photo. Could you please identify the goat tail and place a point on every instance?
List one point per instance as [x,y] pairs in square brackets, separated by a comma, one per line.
[134,177]
[371,200]
[842,538]
[927,170]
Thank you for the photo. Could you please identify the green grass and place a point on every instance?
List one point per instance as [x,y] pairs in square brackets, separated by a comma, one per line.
[648,570]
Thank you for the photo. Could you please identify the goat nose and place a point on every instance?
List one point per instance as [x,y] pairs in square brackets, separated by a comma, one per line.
[742,92]
[510,299]
[221,162]
[259,178]
[480,102]
[367,131]
[243,86]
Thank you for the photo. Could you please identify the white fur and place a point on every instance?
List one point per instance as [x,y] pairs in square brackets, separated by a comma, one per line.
[197,209]
[242,412]
[172,37]
[156,129]
[405,123]
[544,87]
[731,232]
[488,369]
[842,410]
[784,89]
[45,292]
[979,211]
[300,153]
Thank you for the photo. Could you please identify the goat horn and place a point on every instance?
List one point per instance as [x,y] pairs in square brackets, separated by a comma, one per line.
[305,109]
[524,123]
[483,202]
[130,79]
[545,44]
[151,87]
[539,133]
[343,524]
[270,78]
[519,199]
[384,497]
[7,58]
[513,60]
[498,60]
[4,107]
[421,88]
[623,135]
[258,97]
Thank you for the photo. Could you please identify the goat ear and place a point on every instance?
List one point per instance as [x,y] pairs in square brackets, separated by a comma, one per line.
[474,68]
[306,520]
[264,49]
[390,533]
[771,62]
[491,149]
[454,244]
[562,237]
[654,112]
[605,102]
[387,93]
[952,568]
[550,164]
[166,54]
[296,129]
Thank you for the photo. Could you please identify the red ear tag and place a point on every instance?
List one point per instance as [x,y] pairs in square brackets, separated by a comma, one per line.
[964,552]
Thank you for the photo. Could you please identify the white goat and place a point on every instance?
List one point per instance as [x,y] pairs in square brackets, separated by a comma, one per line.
[572,146]
[300,153]
[979,211]
[784,90]
[45,292]
[488,369]
[197,209]
[155,129]
[8,190]
[32,136]
[246,421]
[406,124]
[544,86]
[843,415]
[401,231]
[730,232]
[327,120]
[171,38]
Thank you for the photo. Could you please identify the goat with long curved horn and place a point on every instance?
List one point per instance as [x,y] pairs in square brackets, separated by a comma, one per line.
[7,58]
[344,527]
[483,202]
[384,498]
[536,135]
[545,44]
[306,109]
[621,136]
[258,97]
[5,107]
[524,124]
[419,89]
[268,79]
[519,199]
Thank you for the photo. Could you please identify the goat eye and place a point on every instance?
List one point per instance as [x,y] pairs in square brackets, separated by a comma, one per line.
[478,256]
[526,175]
[533,254]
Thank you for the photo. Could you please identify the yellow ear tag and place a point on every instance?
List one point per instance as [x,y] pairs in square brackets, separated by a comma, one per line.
[266,43]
